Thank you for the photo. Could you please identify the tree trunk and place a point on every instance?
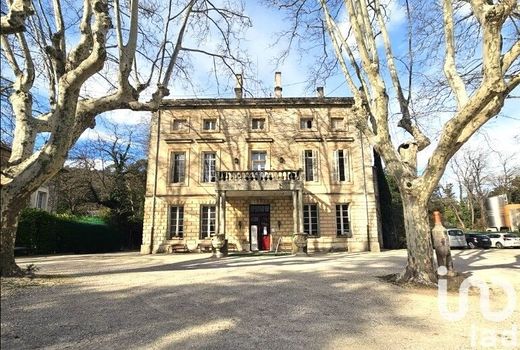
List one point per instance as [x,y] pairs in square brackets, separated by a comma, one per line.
[483,218]
[11,208]
[420,267]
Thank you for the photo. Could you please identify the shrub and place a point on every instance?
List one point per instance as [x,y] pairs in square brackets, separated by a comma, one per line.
[44,233]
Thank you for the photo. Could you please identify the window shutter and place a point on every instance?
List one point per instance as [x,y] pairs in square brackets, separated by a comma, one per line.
[348,165]
[304,175]
[182,166]
[335,166]
[217,164]
[315,165]
[172,165]
[202,166]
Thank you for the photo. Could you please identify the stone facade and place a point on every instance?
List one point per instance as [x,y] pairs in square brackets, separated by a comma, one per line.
[181,127]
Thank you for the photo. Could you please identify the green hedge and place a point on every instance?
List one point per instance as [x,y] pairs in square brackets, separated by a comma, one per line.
[44,233]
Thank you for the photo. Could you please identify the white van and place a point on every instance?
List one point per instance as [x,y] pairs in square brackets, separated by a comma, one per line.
[457,238]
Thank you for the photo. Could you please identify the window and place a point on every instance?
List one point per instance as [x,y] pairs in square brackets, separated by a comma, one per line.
[310,219]
[258,124]
[207,221]
[258,160]
[178,167]
[337,124]
[341,165]
[209,124]
[310,165]
[176,222]
[342,223]
[180,125]
[306,123]
[41,200]
[209,161]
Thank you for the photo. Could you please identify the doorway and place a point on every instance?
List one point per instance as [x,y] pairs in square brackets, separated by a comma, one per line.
[259,226]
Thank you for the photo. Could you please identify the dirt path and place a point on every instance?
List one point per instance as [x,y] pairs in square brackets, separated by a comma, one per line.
[189,301]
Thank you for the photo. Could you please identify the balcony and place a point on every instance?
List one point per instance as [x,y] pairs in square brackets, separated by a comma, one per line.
[268,180]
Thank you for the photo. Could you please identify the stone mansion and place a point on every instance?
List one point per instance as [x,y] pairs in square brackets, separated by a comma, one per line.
[257,171]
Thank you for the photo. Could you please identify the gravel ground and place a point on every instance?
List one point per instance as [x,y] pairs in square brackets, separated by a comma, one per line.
[190,301]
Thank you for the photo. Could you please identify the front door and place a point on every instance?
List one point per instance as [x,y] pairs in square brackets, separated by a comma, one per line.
[259,217]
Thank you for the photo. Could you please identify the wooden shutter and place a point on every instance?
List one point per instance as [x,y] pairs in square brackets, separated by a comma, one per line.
[348,165]
[315,167]
[335,166]
[304,175]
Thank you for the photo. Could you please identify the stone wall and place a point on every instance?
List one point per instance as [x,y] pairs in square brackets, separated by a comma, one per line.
[284,143]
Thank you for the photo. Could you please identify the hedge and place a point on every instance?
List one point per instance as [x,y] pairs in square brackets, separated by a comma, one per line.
[44,233]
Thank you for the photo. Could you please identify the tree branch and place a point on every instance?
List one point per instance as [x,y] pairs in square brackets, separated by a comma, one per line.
[14,21]
[450,69]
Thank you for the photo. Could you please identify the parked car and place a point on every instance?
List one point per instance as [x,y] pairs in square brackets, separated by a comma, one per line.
[475,240]
[504,239]
[457,238]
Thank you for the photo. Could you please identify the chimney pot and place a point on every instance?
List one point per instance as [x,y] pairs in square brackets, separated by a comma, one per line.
[278,84]
[239,85]
[320,92]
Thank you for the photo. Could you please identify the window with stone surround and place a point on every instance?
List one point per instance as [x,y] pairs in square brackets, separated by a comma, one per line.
[258,124]
[342,221]
[41,200]
[176,222]
[341,165]
[207,221]
[307,123]
[310,220]
[209,124]
[209,163]
[310,165]
[258,160]
[178,167]
[180,125]
[337,124]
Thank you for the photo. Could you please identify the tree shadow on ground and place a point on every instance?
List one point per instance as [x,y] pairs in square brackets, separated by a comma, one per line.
[468,260]
[281,310]
[237,262]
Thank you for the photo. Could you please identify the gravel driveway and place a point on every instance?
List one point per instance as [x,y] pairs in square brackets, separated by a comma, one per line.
[190,301]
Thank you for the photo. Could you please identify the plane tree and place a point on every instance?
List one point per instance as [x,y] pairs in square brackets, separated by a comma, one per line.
[79,59]
[396,78]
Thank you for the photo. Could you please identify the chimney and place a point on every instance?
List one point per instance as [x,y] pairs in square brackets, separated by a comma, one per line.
[319,92]
[278,85]
[238,87]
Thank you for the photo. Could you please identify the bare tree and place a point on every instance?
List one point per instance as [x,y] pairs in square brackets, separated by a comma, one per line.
[128,50]
[358,33]
[503,180]
[472,170]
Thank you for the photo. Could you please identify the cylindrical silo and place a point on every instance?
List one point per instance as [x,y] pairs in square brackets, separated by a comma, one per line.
[495,211]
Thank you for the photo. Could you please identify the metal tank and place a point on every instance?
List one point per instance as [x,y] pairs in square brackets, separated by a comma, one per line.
[495,211]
